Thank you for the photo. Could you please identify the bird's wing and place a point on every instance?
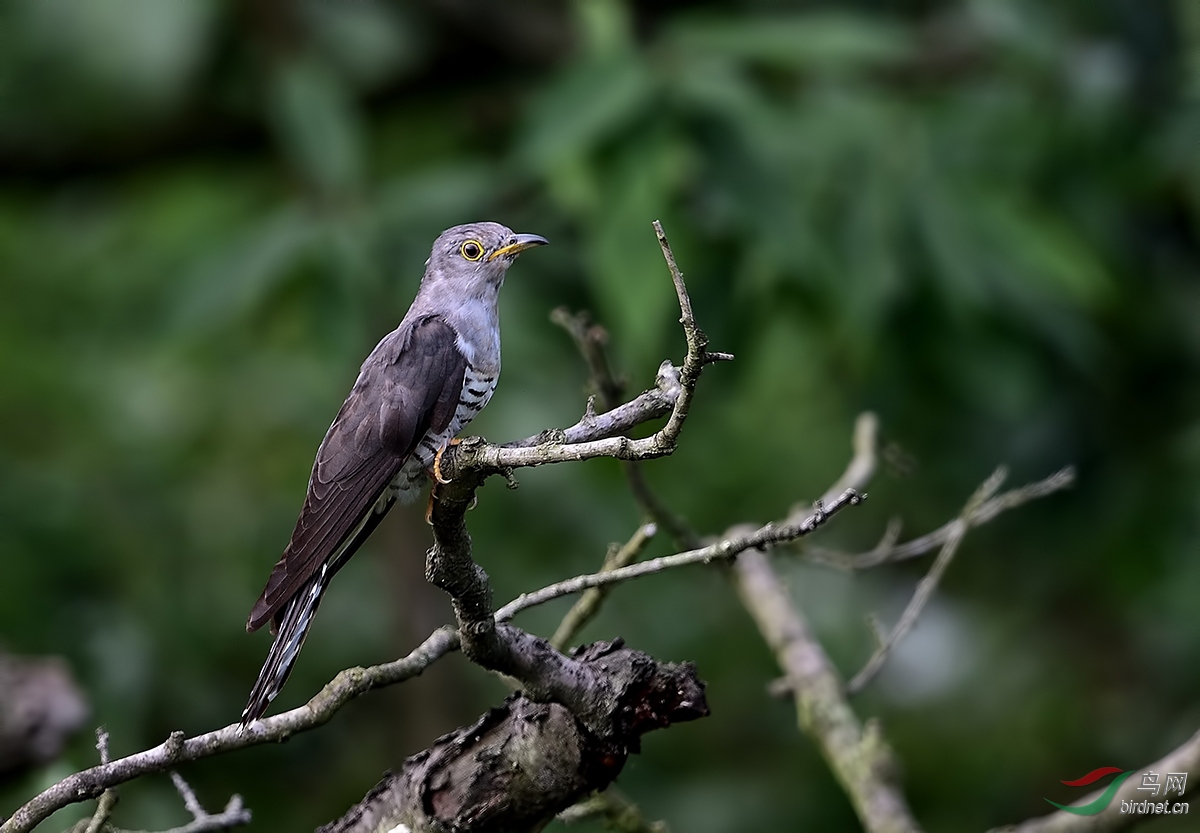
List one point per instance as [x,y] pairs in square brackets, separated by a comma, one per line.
[404,390]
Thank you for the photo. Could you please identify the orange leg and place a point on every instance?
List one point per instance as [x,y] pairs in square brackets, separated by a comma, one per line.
[435,474]
[437,461]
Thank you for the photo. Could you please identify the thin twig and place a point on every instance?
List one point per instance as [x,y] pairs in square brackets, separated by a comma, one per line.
[476,457]
[234,815]
[648,405]
[108,799]
[591,340]
[988,510]
[102,743]
[720,551]
[928,584]
[190,802]
[588,604]
[104,808]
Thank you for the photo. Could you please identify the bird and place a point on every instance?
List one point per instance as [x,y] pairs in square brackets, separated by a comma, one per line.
[417,389]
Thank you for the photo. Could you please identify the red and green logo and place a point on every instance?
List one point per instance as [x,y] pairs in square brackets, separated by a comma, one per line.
[1101,803]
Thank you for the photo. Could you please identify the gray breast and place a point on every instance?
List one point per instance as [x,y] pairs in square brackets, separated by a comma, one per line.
[478,387]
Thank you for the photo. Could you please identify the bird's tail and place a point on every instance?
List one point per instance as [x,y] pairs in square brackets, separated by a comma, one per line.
[293,624]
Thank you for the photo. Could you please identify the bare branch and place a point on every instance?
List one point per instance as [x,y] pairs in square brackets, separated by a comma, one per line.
[987,511]
[648,405]
[768,535]
[108,799]
[190,802]
[102,743]
[347,685]
[591,340]
[927,585]
[474,458]
[589,603]
[858,756]
[864,461]
[1184,758]
[104,808]
[234,814]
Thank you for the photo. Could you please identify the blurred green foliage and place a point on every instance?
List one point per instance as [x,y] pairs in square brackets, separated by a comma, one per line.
[979,219]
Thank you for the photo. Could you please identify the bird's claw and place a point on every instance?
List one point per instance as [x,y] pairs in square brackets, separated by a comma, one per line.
[437,462]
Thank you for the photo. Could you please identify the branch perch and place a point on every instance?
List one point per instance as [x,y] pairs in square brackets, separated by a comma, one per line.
[592,436]
[570,731]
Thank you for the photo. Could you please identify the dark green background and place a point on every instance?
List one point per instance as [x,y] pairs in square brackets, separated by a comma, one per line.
[978,219]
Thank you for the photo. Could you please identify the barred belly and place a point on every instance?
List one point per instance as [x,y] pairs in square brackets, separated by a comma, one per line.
[478,388]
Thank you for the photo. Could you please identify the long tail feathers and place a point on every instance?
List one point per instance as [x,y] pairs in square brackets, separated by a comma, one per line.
[293,627]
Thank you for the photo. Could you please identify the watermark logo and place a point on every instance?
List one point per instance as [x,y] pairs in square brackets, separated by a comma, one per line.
[1154,783]
[1101,803]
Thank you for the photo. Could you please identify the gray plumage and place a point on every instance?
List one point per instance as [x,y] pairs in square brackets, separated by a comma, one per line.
[417,389]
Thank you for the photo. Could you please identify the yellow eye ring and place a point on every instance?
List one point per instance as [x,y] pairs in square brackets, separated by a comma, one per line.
[471,250]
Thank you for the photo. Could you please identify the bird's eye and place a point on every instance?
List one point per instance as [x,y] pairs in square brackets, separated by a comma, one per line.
[472,250]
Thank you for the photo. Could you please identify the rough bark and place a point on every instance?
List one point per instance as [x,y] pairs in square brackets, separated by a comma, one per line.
[525,761]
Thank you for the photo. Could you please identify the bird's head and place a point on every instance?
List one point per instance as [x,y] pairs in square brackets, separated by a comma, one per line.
[472,259]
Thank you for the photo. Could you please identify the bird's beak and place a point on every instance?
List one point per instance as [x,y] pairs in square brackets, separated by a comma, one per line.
[520,243]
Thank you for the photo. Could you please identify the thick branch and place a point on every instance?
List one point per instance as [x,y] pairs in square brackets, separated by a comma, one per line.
[859,758]
[524,762]
[1185,758]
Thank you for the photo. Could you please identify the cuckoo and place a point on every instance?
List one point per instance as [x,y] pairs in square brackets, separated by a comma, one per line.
[419,387]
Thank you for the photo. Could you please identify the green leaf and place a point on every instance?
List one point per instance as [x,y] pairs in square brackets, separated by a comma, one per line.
[829,42]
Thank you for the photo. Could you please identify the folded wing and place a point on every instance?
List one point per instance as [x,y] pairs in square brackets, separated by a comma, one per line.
[409,385]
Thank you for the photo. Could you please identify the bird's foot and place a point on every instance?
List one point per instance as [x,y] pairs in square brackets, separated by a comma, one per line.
[437,462]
